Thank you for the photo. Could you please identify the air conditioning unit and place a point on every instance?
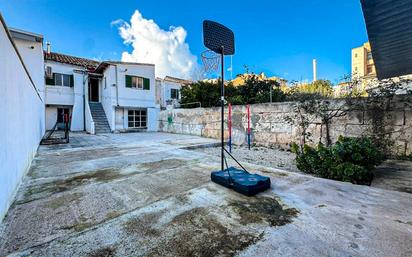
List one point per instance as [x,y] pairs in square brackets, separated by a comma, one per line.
[49,72]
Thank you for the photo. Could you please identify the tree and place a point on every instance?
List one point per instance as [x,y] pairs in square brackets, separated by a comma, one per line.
[312,102]
[253,90]
[320,87]
[205,92]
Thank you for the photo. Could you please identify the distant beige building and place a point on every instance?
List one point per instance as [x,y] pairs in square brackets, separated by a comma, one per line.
[362,62]
[363,71]
[240,79]
[364,78]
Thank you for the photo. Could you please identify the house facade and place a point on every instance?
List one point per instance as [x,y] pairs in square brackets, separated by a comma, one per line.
[100,97]
[168,90]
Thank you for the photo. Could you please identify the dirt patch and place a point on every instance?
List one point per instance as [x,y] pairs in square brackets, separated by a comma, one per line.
[113,214]
[405,189]
[403,222]
[103,252]
[394,175]
[263,209]
[142,225]
[198,233]
[78,226]
[47,189]
[63,200]
[163,164]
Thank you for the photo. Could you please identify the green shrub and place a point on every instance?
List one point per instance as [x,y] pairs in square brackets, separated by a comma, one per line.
[349,159]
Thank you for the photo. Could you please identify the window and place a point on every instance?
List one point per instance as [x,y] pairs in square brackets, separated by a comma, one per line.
[137,118]
[62,80]
[370,69]
[59,79]
[356,55]
[137,82]
[369,55]
[174,93]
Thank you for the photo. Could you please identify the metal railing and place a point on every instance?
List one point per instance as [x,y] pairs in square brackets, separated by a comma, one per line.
[48,139]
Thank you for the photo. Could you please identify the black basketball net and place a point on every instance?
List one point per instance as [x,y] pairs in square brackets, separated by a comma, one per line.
[211,60]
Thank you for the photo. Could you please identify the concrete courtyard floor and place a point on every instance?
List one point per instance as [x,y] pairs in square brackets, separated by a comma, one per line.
[149,194]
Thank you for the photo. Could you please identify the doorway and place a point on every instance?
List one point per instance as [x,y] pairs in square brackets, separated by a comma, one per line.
[61,114]
[94,90]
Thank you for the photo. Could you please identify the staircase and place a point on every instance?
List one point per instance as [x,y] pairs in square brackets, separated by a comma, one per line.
[101,125]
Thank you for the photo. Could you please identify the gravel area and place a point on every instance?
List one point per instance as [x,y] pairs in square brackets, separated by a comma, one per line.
[391,175]
[269,157]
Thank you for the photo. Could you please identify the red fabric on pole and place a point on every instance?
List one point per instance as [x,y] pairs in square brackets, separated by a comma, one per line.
[248,119]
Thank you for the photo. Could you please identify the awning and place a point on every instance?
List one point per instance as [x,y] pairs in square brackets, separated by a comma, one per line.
[389,26]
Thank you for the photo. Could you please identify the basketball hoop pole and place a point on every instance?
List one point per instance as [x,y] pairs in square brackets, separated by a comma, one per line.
[221,40]
[222,100]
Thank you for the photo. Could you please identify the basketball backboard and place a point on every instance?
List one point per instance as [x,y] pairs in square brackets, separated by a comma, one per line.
[216,35]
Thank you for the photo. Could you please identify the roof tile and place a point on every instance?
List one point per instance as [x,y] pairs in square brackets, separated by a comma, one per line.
[77,61]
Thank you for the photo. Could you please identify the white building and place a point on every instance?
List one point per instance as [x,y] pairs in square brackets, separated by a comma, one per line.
[100,97]
[168,90]
[21,107]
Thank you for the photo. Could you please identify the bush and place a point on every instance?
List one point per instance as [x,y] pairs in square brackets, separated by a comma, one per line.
[349,160]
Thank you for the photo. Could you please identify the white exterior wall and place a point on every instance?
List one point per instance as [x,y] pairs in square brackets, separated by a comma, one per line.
[77,122]
[136,97]
[153,119]
[166,90]
[51,117]
[59,95]
[108,95]
[67,96]
[22,119]
[116,102]
[32,54]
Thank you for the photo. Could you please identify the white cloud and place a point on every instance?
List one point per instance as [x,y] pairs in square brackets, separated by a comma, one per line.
[167,49]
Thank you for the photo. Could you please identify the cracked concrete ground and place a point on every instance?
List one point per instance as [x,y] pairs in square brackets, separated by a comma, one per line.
[149,194]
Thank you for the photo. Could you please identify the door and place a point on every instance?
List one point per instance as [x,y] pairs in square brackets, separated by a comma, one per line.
[61,113]
[93,90]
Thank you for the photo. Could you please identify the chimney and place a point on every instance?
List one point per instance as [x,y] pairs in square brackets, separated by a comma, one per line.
[314,70]
[48,47]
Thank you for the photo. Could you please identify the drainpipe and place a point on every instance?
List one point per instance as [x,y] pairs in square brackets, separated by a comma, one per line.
[84,100]
[117,87]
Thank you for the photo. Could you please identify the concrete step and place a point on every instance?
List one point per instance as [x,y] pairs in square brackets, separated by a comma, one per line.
[99,117]
[97,131]
[102,123]
[102,130]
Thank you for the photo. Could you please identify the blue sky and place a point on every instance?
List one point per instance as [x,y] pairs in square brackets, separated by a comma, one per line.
[277,37]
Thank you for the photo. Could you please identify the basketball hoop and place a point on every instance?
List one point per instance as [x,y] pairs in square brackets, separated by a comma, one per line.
[211,60]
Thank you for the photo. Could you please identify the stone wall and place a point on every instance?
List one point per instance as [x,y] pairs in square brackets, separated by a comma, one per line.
[270,128]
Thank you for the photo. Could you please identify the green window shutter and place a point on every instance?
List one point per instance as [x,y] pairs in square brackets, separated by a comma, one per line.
[50,81]
[146,84]
[128,81]
[71,80]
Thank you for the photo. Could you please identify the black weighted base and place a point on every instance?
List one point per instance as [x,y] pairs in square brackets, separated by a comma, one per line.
[241,181]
